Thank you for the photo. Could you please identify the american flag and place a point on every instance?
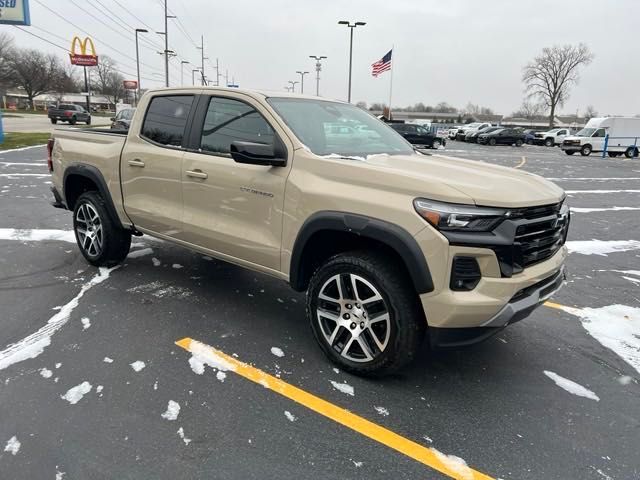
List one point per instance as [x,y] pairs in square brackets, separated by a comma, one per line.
[382,65]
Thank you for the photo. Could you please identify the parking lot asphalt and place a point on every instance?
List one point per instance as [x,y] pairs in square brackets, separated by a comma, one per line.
[93,384]
[30,122]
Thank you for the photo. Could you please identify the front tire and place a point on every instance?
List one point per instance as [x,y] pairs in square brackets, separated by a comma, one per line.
[54,120]
[72,121]
[519,143]
[492,141]
[365,314]
[549,142]
[100,240]
[88,120]
[631,152]
[569,152]
[436,144]
[585,151]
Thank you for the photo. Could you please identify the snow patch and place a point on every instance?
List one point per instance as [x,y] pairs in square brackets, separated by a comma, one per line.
[290,416]
[186,440]
[357,464]
[173,409]
[382,411]
[220,375]
[343,387]
[571,386]
[602,247]
[137,365]
[108,360]
[571,192]
[58,365]
[140,253]
[86,323]
[205,354]
[277,352]
[99,389]
[46,373]
[455,464]
[177,266]
[13,445]
[75,394]
[28,235]
[34,344]
[624,380]
[196,365]
[610,209]
[156,262]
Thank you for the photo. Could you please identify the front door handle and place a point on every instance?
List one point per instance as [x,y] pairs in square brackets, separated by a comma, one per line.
[136,163]
[197,174]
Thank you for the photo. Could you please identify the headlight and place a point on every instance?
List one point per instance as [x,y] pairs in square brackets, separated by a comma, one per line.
[465,218]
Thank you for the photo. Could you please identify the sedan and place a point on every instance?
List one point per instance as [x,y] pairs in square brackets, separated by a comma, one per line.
[502,136]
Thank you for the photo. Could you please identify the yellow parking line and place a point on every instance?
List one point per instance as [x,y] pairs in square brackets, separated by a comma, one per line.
[524,160]
[554,305]
[427,456]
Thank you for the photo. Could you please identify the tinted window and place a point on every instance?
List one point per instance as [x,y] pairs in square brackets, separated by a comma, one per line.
[166,119]
[230,120]
[66,106]
[599,133]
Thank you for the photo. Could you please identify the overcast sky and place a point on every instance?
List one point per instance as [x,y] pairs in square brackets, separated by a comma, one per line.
[457,51]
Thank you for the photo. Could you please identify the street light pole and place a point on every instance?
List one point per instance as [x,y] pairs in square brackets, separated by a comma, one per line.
[193,77]
[351,27]
[293,85]
[302,74]
[318,68]
[138,30]
[182,64]
[202,58]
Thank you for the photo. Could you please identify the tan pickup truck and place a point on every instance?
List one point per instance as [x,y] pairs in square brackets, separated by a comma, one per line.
[389,244]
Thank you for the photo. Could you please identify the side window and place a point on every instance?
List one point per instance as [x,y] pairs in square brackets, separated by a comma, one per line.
[166,119]
[229,120]
[599,133]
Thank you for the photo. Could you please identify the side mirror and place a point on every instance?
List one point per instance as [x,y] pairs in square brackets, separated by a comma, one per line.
[257,154]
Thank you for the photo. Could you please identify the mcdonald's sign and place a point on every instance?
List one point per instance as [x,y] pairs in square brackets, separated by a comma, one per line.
[83,59]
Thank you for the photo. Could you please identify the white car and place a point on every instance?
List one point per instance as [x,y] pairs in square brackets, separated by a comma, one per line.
[623,132]
[551,138]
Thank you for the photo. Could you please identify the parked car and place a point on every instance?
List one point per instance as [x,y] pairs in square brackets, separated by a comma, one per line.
[122,120]
[624,137]
[502,136]
[418,135]
[552,137]
[529,136]
[388,243]
[472,127]
[69,113]
[472,136]
[453,131]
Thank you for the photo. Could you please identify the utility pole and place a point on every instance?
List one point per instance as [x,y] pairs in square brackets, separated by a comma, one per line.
[193,77]
[318,69]
[217,73]
[202,58]
[166,45]
[182,64]
[302,74]
[351,28]
[138,30]
[226,77]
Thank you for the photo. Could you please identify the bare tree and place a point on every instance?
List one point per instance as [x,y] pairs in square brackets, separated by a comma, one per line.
[109,80]
[444,107]
[34,71]
[362,105]
[590,112]
[6,47]
[552,73]
[530,110]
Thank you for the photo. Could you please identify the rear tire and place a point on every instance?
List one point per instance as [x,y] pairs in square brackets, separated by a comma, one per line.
[519,143]
[549,142]
[492,141]
[72,121]
[54,120]
[341,316]
[100,240]
[585,151]
[436,144]
[88,120]
[631,152]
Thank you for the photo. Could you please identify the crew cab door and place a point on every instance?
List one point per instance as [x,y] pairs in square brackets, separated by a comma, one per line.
[233,210]
[151,165]
[597,139]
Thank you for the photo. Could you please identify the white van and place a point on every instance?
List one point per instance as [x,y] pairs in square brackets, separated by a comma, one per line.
[624,137]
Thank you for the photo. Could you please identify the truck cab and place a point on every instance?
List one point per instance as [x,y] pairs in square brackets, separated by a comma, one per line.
[552,137]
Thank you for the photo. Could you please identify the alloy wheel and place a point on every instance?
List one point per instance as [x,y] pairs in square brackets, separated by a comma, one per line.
[89,230]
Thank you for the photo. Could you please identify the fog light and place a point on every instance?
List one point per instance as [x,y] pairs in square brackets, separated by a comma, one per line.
[465,274]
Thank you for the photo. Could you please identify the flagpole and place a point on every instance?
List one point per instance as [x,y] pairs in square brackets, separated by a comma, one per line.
[393,56]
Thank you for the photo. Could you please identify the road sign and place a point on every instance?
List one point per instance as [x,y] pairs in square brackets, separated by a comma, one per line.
[130,84]
[15,12]
[83,58]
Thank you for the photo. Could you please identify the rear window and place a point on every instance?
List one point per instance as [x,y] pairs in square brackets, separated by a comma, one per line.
[65,106]
[166,119]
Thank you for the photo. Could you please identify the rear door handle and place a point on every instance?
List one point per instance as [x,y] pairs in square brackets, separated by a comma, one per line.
[196,174]
[136,163]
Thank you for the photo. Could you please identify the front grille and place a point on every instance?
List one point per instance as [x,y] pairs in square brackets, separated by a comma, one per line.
[571,142]
[543,235]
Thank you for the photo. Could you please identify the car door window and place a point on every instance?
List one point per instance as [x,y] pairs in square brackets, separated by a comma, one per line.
[599,133]
[166,119]
[230,120]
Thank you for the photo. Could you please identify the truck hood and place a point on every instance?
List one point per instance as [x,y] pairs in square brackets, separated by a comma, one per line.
[480,182]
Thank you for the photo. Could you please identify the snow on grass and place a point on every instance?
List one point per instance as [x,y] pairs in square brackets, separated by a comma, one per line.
[137,365]
[46,373]
[173,410]
[602,247]
[156,262]
[571,386]
[34,344]
[382,411]
[75,394]
[344,388]
[86,323]
[28,235]
[186,440]
[108,360]
[455,464]
[13,445]
[617,327]
[277,352]
[140,253]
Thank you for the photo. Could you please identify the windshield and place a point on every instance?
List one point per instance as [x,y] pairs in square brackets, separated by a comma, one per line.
[586,132]
[328,128]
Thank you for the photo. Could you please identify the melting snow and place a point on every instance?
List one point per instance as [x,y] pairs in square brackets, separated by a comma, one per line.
[177,266]
[58,365]
[86,323]
[108,360]
[570,192]
[99,389]
[196,365]
[186,440]
[156,262]
[357,464]
[382,411]
[205,354]
[173,409]
[455,464]
[343,387]
[624,380]
[46,373]
[290,416]
[277,351]
[75,394]
[140,253]
[602,247]
[220,375]
[13,445]
[137,365]
[571,386]
[610,209]
[37,235]
[34,344]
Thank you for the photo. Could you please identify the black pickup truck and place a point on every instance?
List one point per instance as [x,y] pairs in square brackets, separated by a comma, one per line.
[69,113]
[418,135]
